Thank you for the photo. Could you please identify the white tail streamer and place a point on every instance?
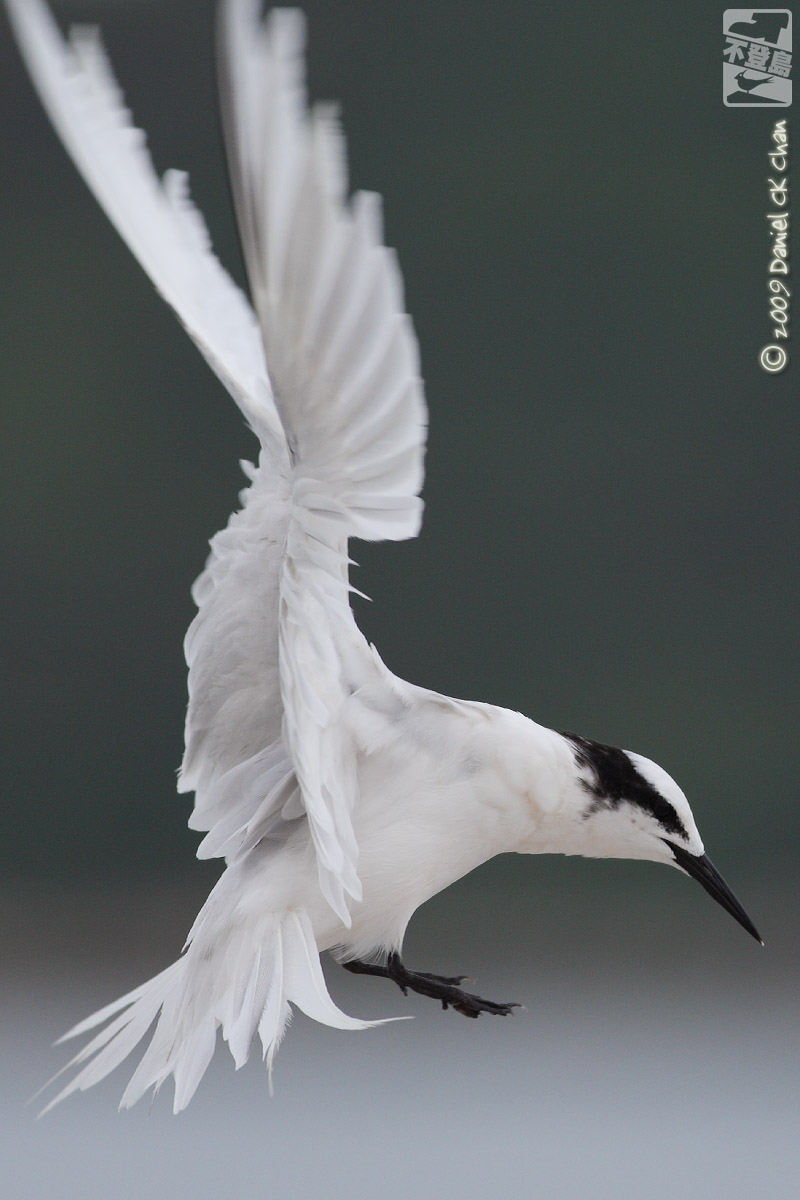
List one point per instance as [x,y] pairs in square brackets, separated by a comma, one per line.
[243,983]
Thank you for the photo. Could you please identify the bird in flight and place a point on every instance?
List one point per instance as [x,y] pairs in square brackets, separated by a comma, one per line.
[340,797]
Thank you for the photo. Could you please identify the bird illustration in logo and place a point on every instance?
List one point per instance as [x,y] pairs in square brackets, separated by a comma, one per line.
[745,89]
[748,85]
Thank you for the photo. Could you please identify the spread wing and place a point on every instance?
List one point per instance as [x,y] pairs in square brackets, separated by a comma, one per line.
[340,416]
[344,369]
[155,217]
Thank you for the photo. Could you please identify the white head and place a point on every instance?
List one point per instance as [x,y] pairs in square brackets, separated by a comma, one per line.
[626,806]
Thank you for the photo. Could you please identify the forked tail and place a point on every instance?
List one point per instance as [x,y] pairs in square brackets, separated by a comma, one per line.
[241,975]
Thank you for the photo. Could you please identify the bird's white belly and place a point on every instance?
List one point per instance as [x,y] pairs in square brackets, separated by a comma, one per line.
[432,806]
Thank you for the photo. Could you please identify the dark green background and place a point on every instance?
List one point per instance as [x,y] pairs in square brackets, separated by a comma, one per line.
[610,541]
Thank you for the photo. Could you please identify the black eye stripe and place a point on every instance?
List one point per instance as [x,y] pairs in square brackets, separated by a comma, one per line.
[616,781]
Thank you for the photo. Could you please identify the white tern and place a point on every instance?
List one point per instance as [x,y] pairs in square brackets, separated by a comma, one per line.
[340,797]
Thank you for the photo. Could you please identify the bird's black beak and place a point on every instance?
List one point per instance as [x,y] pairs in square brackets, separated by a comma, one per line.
[701,868]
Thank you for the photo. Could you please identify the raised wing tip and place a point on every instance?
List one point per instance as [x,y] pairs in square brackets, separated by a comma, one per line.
[285,28]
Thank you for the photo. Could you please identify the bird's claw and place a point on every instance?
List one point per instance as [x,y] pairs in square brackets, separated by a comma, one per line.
[473,1006]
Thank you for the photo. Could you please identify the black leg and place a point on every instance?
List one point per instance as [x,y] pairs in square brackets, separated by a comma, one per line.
[438,987]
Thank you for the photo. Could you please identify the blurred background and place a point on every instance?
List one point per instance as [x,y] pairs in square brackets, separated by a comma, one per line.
[610,546]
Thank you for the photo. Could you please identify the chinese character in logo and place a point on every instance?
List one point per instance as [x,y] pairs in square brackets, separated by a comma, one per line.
[757,57]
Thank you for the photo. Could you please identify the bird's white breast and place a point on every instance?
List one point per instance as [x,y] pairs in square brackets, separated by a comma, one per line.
[444,785]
